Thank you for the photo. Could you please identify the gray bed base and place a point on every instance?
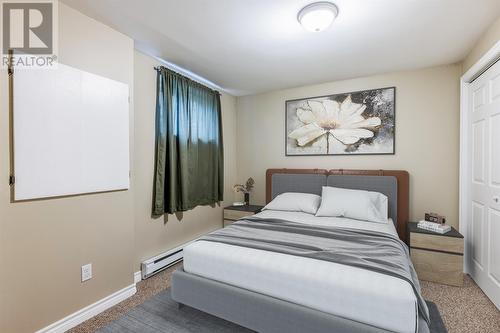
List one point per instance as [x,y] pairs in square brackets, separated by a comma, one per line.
[259,312]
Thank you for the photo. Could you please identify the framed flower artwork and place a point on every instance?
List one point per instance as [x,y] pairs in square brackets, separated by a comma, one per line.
[356,123]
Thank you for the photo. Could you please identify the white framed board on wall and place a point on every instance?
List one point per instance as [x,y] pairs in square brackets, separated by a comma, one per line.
[70,133]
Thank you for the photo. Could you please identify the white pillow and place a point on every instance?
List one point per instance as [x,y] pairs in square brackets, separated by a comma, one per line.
[295,202]
[354,204]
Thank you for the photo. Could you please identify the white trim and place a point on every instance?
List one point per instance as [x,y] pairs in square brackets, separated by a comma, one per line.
[477,69]
[488,59]
[137,277]
[90,311]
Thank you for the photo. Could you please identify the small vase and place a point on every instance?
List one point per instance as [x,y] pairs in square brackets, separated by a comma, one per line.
[247,199]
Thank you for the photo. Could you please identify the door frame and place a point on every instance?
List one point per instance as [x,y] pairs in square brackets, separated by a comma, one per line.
[487,60]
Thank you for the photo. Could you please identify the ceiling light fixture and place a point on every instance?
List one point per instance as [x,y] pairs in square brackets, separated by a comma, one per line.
[318,16]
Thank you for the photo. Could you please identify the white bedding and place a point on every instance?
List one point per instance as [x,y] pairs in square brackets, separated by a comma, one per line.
[354,293]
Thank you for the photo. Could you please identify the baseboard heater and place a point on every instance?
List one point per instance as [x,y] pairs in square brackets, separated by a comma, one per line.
[162,261]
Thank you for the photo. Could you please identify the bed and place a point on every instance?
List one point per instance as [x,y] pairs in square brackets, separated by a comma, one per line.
[275,292]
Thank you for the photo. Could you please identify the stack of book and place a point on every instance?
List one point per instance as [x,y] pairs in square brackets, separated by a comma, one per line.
[434,227]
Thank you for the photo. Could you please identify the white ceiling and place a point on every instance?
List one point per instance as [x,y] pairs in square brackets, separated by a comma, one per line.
[250,46]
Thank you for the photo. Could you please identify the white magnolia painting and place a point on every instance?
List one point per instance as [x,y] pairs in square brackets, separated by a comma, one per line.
[344,124]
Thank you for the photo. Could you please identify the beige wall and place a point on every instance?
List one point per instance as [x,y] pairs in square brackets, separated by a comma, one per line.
[489,38]
[44,243]
[427,136]
[154,236]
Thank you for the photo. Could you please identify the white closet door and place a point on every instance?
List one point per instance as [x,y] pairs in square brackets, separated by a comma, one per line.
[484,210]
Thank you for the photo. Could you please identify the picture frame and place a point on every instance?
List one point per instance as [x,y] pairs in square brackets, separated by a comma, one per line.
[353,123]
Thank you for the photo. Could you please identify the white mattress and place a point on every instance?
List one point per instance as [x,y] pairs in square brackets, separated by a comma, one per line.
[354,293]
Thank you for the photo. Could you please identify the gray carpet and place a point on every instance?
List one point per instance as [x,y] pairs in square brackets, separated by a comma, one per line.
[161,314]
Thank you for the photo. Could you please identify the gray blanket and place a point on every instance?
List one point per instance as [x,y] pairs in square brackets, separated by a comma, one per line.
[375,251]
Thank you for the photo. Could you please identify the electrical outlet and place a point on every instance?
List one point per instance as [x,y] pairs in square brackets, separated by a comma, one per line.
[86,272]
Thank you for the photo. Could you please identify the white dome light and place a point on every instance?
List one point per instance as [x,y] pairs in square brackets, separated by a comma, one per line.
[317,16]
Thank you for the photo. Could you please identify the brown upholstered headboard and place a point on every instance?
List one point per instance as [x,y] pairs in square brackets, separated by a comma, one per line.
[311,181]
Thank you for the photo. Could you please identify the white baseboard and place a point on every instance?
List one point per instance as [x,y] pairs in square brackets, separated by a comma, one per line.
[137,277]
[90,311]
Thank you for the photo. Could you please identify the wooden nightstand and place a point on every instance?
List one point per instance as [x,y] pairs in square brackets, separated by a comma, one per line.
[233,213]
[436,257]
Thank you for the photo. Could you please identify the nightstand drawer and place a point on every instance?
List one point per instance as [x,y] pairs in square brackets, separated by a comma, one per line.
[235,214]
[438,267]
[437,242]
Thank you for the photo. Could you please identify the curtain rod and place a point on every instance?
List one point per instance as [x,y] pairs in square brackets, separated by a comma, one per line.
[157,68]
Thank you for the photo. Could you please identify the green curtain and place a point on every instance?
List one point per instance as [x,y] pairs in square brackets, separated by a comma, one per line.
[189,161]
